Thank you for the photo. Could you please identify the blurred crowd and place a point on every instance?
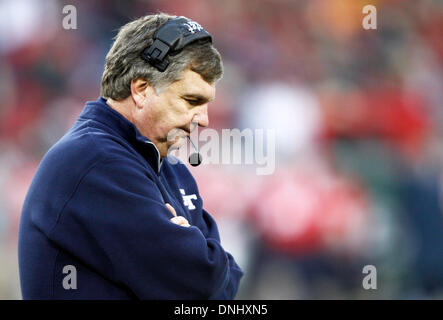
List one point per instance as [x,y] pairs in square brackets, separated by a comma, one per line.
[357,115]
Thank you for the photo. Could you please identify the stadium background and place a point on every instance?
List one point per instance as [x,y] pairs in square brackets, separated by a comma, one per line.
[357,114]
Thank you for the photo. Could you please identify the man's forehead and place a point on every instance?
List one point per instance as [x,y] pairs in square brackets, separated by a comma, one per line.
[192,84]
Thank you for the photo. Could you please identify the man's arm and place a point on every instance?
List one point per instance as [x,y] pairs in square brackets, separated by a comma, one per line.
[209,229]
[117,224]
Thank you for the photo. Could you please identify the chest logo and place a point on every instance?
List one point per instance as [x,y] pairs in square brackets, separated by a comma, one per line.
[187,199]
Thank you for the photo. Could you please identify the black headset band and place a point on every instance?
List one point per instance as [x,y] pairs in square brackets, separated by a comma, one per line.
[171,38]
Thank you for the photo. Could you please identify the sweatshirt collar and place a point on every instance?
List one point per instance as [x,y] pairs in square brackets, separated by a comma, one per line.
[100,111]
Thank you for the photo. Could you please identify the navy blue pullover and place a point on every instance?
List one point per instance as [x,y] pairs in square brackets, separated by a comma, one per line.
[97,203]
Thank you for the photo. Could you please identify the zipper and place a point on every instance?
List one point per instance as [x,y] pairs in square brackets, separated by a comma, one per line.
[159,162]
[176,203]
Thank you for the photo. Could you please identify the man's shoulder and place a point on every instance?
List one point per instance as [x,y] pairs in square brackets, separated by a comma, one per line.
[84,146]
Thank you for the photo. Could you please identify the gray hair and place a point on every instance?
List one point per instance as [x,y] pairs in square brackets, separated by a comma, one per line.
[124,62]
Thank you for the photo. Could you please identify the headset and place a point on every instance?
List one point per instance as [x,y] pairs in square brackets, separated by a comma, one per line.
[170,39]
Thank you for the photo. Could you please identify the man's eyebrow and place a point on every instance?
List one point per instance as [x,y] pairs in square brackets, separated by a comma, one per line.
[196,96]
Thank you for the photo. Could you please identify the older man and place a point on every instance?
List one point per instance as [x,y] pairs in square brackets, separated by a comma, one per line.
[106,216]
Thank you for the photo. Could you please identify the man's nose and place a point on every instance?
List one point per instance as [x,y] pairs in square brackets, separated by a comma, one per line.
[202,116]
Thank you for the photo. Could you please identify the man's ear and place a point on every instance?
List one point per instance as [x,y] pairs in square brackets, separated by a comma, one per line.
[139,92]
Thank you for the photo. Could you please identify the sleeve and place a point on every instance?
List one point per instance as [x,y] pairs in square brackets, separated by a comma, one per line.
[209,229]
[117,224]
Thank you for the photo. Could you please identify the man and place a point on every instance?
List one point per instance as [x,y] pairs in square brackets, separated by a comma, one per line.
[105,216]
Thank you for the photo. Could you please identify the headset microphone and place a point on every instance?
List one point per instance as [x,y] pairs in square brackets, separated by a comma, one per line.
[195,159]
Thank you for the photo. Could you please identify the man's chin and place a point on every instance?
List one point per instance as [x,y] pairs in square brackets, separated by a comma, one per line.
[176,138]
[176,144]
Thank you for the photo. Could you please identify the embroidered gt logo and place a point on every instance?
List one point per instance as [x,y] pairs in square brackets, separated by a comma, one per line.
[187,200]
[192,26]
